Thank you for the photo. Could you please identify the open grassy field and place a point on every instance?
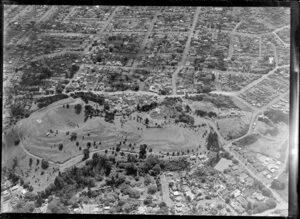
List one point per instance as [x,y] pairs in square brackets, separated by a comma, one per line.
[269,147]
[47,133]
[36,137]
[171,138]
[232,127]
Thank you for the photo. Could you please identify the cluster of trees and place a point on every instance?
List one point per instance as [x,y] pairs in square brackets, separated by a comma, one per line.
[66,184]
[146,107]
[259,207]
[89,111]
[227,155]
[73,136]
[175,165]
[128,190]
[143,151]
[204,113]
[264,190]
[89,96]
[115,180]
[109,117]
[17,110]
[35,75]
[152,166]
[152,189]
[276,184]
[204,173]
[45,101]
[86,154]
[185,118]
[213,142]
[213,160]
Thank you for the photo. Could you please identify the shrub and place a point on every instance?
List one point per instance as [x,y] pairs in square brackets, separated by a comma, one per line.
[152,189]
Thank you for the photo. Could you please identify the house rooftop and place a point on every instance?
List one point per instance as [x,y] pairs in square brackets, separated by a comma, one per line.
[223,164]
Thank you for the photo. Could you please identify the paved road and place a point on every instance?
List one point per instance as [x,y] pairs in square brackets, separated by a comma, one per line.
[186,50]
[284,43]
[231,49]
[165,190]
[145,41]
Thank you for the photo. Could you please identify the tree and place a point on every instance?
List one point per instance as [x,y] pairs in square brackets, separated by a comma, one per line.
[60,146]
[162,204]
[73,136]
[30,161]
[147,121]
[143,152]
[95,159]
[156,170]
[45,164]
[213,77]
[148,200]
[131,169]
[147,180]
[127,207]
[86,154]
[152,189]
[78,108]
[108,168]
[187,108]
[17,142]
[227,200]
